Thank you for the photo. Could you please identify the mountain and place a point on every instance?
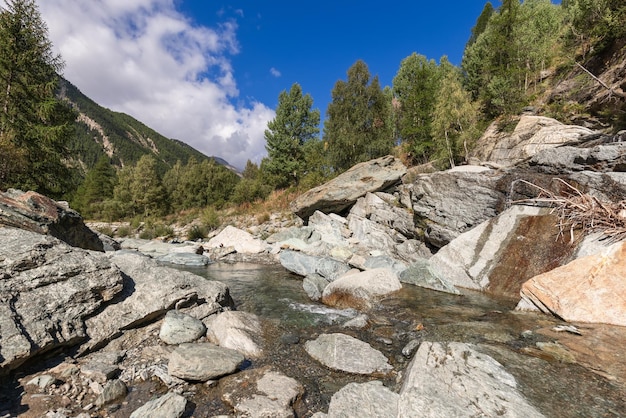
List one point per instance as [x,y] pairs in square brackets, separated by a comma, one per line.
[124,139]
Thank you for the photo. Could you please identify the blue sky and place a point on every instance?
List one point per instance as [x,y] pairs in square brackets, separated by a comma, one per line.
[209,72]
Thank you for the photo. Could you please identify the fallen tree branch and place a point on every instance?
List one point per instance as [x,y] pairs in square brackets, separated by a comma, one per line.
[602,83]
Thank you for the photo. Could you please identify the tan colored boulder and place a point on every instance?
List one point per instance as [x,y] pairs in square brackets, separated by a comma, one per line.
[589,289]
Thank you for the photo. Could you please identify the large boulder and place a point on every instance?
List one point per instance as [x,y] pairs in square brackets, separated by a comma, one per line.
[306,265]
[532,135]
[340,193]
[363,400]
[242,241]
[360,290]
[48,289]
[589,289]
[237,330]
[34,212]
[456,380]
[203,361]
[150,290]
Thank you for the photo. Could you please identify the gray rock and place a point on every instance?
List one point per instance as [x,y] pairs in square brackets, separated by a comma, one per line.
[37,213]
[48,289]
[423,274]
[178,328]
[601,158]
[455,380]
[305,265]
[341,192]
[42,381]
[533,136]
[150,291]
[114,389]
[185,259]
[202,362]
[304,233]
[262,393]
[453,201]
[314,285]
[236,330]
[360,321]
[364,400]
[343,352]
[170,405]
[386,209]
[358,290]
[332,229]
[385,262]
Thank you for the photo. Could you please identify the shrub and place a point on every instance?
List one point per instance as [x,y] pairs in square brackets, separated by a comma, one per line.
[196,232]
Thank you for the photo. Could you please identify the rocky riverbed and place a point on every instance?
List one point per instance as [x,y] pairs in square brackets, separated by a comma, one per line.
[398,294]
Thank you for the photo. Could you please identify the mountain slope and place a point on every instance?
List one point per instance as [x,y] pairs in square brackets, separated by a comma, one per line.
[124,139]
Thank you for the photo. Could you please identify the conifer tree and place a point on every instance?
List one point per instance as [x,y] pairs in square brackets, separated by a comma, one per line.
[96,189]
[32,119]
[140,191]
[415,86]
[294,125]
[357,124]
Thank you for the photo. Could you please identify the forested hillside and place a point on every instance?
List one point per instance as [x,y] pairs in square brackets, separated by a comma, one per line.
[100,131]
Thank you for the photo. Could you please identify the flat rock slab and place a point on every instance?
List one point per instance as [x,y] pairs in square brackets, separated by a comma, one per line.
[170,405]
[261,393]
[363,400]
[306,265]
[455,380]
[202,362]
[359,290]
[179,328]
[348,354]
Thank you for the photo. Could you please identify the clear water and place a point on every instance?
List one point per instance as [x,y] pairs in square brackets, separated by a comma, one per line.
[554,384]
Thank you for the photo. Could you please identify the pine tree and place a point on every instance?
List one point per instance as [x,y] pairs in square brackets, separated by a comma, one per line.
[357,124]
[140,191]
[481,23]
[415,86]
[32,119]
[294,125]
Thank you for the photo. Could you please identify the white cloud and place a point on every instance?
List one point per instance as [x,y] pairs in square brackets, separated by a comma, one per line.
[144,58]
[275,72]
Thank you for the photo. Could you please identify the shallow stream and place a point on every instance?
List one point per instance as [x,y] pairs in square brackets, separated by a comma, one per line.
[548,372]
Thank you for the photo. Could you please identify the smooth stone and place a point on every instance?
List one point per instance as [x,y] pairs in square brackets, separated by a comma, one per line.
[202,362]
[178,328]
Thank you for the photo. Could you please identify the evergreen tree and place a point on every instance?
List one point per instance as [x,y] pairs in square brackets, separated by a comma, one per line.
[357,124]
[32,119]
[96,189]
[294,125]
[415,86]
[481,24]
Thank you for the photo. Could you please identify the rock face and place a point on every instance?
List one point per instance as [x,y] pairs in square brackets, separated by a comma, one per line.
[589,289]
[455,380]
[340,193]
[502,253]
[34,212]
[346,353]
[532,135]
[47,291]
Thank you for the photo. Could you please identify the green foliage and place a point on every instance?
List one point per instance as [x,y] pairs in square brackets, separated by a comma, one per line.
[210,218]
[504,61]
[140,191]
[91,196]
[197,232]
[123,231]
[481,23]
[257,184]
[294,125]
[153,229]
[595,23]
[454,119]
[357,124]
[415,87]
[199,184]
[34,125]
